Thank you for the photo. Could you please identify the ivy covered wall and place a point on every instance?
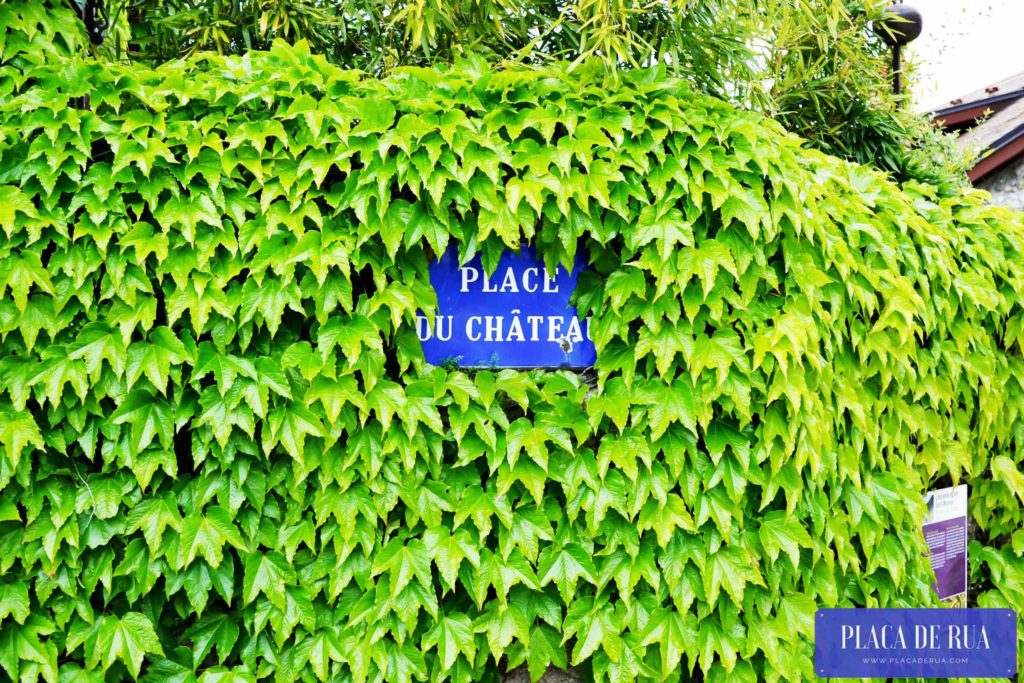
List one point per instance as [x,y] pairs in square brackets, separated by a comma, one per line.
[223,457]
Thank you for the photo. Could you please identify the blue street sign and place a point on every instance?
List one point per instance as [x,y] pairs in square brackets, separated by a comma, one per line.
[519,317]
[925,643]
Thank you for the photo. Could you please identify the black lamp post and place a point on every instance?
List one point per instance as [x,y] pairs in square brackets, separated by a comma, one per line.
[900,25]
[94,16]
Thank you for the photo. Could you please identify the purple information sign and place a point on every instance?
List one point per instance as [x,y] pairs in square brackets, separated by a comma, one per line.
[945,532]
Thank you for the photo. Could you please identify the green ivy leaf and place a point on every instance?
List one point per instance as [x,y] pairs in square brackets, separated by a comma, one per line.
[289,426]
[452,635]
[674,635]
[214,630]
[154,359]
[267,573]
[14,601]
[564,567]
[149,417]
[403,561]
[594,628]
[21,274]
[22,642]
[1006,470]
[128,638]
[723,635]
[206,534]
[778,533]
[545,650]
[732,569]
[12,201]
[18,430]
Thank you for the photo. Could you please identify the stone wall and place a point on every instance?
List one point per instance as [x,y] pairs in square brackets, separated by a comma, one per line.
[553,675]
[1007,184]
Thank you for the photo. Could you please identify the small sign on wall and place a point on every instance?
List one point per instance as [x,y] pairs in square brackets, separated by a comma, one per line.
[945,532]
[518,317]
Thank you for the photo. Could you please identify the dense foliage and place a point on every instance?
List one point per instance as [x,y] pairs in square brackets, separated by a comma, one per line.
[703,39]
[817,67]
[223,457]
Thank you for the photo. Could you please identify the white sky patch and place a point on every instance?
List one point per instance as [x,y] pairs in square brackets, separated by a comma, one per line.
[965,45]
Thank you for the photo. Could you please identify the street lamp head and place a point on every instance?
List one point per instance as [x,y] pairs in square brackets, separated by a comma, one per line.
[900,25]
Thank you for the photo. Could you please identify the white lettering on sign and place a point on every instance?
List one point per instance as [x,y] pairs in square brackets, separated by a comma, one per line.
[509,281]
[492,328]
[555,327]
[549,285]
[534,320]
[506,328]
[469,275]
[509,284]
[515,328]
[926,637]
[529,283]
[442,329]
[574,334]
